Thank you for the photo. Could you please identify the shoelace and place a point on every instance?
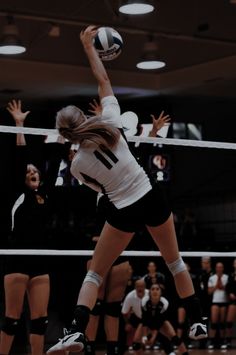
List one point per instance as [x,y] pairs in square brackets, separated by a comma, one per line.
[65,332]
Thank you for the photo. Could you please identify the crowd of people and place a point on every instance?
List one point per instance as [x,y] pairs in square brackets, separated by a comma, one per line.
[216,290]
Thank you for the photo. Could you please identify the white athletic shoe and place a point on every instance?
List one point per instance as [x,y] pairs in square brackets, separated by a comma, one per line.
[72,342]
[198,331]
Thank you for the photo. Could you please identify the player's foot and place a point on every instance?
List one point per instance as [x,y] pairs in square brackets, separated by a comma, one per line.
[211,345]
[198,331]
[72,342]
[225,345]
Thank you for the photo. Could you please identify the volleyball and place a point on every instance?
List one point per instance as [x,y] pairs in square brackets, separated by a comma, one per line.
[108,43]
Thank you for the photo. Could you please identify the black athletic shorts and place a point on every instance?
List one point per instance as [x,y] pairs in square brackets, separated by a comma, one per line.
[31,265]
[134,320]
[157,323]
[151,210]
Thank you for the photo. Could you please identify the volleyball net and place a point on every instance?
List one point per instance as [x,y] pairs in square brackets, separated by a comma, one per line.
[199,177]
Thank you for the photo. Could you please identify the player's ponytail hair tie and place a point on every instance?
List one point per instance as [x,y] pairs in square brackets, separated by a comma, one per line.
[73,125]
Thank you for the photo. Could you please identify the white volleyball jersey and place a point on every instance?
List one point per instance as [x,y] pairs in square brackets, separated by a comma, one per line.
[132,303]
[219,295]
[115,171]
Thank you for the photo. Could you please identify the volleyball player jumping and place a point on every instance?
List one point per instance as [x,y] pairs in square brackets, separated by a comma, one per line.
[105,163]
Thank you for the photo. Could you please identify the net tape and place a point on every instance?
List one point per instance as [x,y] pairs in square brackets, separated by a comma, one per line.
[135,139]
[135,253]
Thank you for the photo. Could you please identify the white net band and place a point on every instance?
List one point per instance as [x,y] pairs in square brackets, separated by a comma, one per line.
[135,253]
[135,139]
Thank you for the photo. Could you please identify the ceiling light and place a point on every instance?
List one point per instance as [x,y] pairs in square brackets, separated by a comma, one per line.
[136,7]
[151,64]
[150,59]
[10,42]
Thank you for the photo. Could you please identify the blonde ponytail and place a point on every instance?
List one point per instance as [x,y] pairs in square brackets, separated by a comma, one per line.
[74,126]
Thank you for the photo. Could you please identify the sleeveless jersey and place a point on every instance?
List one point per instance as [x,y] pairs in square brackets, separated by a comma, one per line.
[114,171]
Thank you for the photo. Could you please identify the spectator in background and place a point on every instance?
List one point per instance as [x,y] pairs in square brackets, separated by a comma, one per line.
[155,320]
[231,313]
[132,312]
[30,221]
[131,309]
[153,276]
[65,178]
[203,277]
[202,289]
[217,288]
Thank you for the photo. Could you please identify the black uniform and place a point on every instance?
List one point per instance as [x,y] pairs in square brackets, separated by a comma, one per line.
[231,286]
[30,218]
[158,278]
[205,298]
[153,315]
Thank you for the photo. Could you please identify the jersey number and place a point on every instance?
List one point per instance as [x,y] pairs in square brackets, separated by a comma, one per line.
[103,158]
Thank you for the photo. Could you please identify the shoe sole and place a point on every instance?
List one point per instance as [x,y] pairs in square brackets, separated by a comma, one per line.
[72,348]
[75,347]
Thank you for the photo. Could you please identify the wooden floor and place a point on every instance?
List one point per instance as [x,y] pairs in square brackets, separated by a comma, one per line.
[191,352]
[158,352]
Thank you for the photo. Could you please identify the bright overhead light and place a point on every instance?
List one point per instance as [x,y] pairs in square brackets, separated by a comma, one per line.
[151,64]
[136,7]
[12,49]
[150,58]
[10,42]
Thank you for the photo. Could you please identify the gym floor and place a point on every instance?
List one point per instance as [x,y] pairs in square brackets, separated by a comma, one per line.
[158,352]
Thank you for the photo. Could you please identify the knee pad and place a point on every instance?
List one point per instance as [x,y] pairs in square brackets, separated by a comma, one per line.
[214,326]
[137,346]
[113,309]
[176,340]
[177,266]
[10,325]
[229,325]
[38,325]
[94,278]
[98,308]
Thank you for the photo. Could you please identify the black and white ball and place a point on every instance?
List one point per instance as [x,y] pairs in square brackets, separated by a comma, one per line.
[108,43]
